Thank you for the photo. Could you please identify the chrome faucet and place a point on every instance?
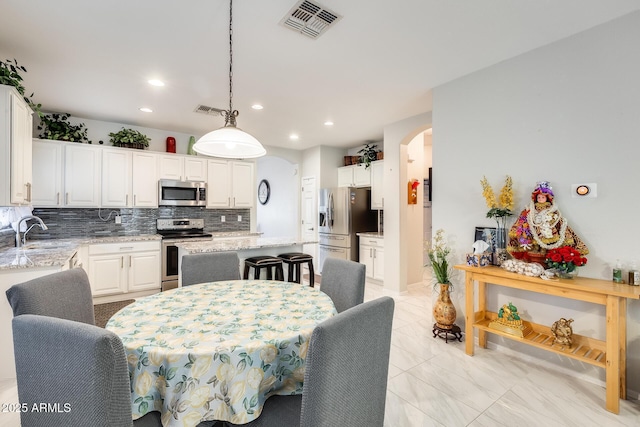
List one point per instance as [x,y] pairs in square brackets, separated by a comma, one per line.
[40,223]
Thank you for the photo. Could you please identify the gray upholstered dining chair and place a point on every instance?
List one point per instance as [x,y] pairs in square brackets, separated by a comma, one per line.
[345,379]
[78,367]
[65,295]
[344,282]
[210,267]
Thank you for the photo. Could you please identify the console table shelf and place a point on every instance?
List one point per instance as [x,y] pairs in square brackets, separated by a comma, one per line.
[589,350]
[584,349]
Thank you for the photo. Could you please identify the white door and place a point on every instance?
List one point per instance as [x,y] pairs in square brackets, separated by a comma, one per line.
[116,178]
[82,175]
[195,169]
[171,167]
[243,185]
[47,173]
[309,215]
[218,184]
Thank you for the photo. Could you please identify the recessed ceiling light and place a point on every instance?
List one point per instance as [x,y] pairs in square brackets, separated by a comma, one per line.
[156,82]
[328,123]
[257,107]
[294,137]
[145,110]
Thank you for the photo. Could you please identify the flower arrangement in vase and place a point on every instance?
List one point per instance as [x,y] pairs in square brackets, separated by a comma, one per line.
[499,209]
[443,310]
[564,261]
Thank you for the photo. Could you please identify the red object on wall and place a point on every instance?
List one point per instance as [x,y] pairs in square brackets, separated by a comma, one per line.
[171,144]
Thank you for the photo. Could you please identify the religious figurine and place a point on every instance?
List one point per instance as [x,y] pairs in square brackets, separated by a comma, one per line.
[562,332]
[541,227]
[509,321]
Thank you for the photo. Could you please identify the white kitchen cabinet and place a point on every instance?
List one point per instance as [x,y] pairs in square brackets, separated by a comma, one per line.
[15,145]
[372,256]
[230,184]
[377,184]
[47,173]
[129,179]
[183,168]
[119,268]
[354,176]
[82,165]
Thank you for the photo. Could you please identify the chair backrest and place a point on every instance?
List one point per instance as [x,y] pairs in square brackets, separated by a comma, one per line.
[345,380]
[344,282]
[65,295]
[78,367]
[210,267]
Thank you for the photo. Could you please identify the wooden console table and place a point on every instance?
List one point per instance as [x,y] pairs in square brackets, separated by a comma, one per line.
[610,354]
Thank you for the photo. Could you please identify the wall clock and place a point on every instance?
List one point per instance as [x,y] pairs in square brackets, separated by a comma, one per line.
[264,191]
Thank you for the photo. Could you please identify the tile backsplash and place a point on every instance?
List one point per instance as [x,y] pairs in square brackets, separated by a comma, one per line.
[79,223]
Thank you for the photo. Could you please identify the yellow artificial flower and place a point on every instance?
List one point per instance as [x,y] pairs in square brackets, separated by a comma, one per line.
[143,384]
[500,207]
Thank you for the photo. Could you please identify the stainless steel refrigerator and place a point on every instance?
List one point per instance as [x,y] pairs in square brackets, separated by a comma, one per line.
[343,212]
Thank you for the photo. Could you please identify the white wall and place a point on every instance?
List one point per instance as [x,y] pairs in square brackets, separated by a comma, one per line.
[280,216]
[566,113]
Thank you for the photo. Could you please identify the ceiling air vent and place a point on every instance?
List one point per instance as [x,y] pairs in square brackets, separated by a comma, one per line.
[310,19]
[205,109]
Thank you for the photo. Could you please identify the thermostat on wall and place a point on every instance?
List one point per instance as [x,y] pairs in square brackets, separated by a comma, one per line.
[584,190]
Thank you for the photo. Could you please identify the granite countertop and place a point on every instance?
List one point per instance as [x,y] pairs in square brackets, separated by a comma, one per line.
[370,234]
[56,252]
[251,242]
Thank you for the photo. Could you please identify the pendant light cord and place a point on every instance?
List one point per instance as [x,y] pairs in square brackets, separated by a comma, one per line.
[231,114]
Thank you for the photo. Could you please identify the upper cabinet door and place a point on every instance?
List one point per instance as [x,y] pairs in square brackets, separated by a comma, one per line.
[145,180]
[47,174]
[243,195]
[195,169]
[82,176]
[377,185]
[116,178]
[218,184]
[361,176]
[21,140]
[171,167]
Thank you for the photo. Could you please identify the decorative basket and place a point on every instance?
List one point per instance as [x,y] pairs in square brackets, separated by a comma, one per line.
[347,160]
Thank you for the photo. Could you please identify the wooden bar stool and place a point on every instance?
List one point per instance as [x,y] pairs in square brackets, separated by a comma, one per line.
[266,262]
[294,261]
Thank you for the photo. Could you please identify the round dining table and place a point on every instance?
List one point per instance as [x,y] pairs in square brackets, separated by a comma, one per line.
[217,351]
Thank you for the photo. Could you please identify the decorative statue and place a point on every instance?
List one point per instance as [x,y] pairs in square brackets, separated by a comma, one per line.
[541,227]
[509,321]
[562,332]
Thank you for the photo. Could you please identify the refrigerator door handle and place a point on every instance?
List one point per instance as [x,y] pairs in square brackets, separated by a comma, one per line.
[330,210]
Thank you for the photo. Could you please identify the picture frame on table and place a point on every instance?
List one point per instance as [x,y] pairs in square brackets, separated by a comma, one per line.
[488,235]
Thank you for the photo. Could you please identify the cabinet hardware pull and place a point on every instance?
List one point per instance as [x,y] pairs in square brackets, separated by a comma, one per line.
[121,262]
[126,248]
[134,200]
[28,191]
[374,254]
[66,198]
[129,261]
[126,200]
[58,198]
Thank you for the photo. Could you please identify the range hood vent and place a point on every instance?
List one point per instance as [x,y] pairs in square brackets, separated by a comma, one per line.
[205,109]
[310,19]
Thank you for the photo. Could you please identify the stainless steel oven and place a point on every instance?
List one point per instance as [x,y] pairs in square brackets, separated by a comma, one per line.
[174,231]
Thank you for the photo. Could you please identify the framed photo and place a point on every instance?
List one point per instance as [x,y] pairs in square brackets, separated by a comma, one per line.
[487,234]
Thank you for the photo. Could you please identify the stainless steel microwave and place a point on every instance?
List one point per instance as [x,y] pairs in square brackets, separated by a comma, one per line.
[182,193]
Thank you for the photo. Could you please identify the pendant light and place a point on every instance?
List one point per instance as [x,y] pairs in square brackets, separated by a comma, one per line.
[229,141]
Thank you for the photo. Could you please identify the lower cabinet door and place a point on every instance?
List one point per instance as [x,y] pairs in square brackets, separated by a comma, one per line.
[144,271]
[107,274]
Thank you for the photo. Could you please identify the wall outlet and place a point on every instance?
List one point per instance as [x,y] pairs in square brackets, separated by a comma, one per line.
[222,218]
[239,218]
[118,219]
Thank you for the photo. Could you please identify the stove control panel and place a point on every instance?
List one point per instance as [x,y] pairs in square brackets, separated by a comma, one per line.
[179,224]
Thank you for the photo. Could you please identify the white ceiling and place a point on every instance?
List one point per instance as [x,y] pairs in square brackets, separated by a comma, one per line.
[375,66]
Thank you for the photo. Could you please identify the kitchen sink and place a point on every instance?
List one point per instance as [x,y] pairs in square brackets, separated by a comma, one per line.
[43,246]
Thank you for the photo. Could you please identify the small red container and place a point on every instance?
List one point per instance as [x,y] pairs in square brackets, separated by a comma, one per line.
[171,144]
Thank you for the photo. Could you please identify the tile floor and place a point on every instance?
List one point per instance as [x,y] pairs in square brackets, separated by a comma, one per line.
[433,383]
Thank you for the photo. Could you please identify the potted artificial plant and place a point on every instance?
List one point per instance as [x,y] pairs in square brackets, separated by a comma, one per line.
[10,75]
[56,126]
[129,138]
[369,154]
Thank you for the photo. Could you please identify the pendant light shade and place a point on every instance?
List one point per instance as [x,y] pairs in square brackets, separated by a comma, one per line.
[229,141]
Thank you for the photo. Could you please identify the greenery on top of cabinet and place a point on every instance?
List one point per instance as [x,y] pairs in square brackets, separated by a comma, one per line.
[56,126]
[129,138]
[10,75]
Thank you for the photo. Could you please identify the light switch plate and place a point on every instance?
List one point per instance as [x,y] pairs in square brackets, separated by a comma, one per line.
[118,219]
[239,218]
[222,218]
[589,189]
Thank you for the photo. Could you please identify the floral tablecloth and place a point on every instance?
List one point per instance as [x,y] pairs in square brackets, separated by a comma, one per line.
[216,351]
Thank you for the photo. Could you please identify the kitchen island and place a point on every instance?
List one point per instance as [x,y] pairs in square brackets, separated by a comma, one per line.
[245,246]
